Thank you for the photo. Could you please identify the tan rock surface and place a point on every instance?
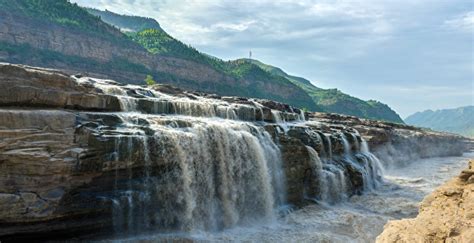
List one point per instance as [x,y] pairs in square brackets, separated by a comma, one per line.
[447,215]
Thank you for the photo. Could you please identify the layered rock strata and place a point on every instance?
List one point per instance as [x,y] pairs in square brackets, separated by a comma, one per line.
[399,143]
[79,155]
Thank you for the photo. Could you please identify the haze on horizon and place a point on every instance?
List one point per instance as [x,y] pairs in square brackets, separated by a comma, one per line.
[411,55]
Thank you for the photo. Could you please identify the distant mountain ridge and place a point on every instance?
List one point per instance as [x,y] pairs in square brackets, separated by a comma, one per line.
[335,101]
[458,120]
[128,48]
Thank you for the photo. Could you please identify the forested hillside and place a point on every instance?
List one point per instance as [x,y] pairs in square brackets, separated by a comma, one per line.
[128,48]
[30,30]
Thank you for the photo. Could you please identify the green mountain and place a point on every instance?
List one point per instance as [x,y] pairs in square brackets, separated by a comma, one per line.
[59,34]
[335,101]
[459,120]
[128,48]
[157,41]
[328,100]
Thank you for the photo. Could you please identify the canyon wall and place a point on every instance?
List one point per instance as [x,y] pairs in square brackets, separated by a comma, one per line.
[79,154]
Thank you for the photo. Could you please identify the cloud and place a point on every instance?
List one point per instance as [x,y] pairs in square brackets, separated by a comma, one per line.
[234,27]
[211,22]
[464,22]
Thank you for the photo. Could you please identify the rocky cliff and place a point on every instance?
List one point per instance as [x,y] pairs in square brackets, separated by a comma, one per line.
[79,154]
[445,216]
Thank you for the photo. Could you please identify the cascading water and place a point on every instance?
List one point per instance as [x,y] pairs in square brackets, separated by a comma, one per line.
[156,102]
[333,172]
[218,174]
[186,163]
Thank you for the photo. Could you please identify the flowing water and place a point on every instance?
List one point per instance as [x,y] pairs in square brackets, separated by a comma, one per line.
[218,173]
[210,171]
[360,219]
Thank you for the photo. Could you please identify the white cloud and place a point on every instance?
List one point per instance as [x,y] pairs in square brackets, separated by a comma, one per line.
[203,23]
[235,27]
[463,22]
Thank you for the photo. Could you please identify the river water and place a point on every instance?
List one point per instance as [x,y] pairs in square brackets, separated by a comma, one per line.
[360,219]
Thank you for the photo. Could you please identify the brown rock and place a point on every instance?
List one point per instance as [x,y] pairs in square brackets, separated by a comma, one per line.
[57,158]
[447,215]
[35,87]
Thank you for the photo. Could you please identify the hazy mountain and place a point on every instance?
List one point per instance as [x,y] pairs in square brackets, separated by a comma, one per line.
[459,120]
[124,22]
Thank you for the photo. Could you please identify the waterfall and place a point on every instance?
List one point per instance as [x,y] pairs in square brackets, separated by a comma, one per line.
[345,144]
[277,116]
[283,117]
[190,163]
[156,102]
[356,141]
[218,174]
[334,173]
[372,164]
[327,139]
[331,179]
[302,117]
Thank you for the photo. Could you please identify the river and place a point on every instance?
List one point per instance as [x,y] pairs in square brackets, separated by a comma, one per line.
[360,219]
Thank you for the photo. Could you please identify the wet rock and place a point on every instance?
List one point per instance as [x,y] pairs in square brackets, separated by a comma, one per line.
[297,167]
[306,136]
[275,105]
[169,89]
[397,142]
[62,162]
[467,175]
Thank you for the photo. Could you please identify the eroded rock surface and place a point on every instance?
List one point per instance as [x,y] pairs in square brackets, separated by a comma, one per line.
[399,143]
[80,154]
[446,215]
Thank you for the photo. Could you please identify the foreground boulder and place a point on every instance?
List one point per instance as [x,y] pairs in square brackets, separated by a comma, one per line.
[446,215]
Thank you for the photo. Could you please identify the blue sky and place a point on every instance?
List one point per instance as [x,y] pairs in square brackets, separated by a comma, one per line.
[412,55]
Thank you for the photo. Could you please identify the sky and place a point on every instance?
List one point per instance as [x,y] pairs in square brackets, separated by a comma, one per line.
[412,55]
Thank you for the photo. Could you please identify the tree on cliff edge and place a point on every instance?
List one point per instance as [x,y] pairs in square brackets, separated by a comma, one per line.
[149,80]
